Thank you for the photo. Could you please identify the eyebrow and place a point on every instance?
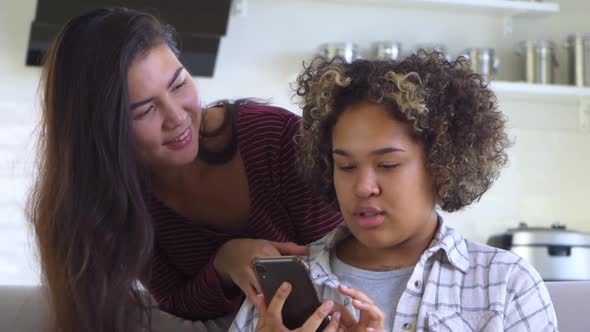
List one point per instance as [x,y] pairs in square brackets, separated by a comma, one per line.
[150,99]
[379,152]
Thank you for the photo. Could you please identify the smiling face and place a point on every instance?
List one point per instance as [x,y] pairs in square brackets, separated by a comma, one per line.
[384,189]
[165,109]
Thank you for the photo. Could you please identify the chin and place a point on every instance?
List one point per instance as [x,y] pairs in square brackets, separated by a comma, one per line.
[180,158]
[374,239]
[381,237]
[376,243]
[186,159]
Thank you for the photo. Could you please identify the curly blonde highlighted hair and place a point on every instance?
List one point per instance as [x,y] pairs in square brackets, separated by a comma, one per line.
[449,107]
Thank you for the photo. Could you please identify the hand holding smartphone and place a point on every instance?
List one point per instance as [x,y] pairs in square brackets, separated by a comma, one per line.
[303,300]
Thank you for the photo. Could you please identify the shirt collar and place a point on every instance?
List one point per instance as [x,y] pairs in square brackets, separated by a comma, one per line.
[451,243]
[318,259]
[445,239]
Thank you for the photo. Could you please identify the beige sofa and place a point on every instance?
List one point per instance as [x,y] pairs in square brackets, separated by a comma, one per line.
[23,309]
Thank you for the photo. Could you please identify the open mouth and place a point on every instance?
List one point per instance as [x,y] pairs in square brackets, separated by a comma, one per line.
[181,140]
[182,136]
[369,214]
[369,217]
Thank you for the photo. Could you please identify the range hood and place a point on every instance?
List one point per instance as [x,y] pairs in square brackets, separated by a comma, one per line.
[199,25]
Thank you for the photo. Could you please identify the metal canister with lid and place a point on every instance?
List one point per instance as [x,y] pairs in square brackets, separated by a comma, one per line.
[539,59]
[387,50]
[578,46]
[483,61]
[348,51]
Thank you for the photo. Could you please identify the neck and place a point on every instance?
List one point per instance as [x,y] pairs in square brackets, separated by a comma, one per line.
[164,179]
[405,254]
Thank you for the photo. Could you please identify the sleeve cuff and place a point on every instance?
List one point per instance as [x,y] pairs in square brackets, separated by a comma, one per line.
[230,296]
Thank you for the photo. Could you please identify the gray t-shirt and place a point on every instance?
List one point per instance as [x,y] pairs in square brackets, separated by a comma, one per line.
[384,287]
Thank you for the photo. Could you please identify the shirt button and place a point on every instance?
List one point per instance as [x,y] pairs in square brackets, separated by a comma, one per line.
[418,284]
[407,326]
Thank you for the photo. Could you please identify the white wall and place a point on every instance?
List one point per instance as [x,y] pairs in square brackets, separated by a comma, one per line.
[17,95]
[548,178]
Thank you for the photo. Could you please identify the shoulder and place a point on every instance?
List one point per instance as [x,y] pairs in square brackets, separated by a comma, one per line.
[494,260]
[518,273]
[269,126]
[261,117]
[483,253]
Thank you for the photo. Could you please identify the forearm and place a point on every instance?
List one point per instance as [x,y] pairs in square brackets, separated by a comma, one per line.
[201,297]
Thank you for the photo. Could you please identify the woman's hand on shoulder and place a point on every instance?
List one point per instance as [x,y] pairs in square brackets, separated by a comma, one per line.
[271,319]
[233,261]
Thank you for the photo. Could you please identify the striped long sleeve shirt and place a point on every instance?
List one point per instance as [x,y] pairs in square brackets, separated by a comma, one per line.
[282,208]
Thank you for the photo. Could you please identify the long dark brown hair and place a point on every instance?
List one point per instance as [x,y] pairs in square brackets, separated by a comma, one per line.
[87,205]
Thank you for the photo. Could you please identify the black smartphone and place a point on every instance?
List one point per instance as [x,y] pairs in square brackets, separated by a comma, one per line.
[303,300]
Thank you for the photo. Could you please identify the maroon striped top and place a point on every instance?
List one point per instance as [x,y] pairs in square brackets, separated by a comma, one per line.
[282,208]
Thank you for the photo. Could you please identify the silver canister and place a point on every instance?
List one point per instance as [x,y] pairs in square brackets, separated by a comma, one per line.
[539,60]
[348,51]
[578,46]
[387,50]
[483,61]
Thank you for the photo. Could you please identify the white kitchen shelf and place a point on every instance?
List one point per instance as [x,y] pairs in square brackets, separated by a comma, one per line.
[541,91]
[549,94]
[503,7]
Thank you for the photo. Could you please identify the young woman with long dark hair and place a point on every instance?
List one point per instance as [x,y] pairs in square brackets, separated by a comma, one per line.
[137,181]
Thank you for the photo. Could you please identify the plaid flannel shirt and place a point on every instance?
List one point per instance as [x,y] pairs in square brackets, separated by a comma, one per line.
[457,285]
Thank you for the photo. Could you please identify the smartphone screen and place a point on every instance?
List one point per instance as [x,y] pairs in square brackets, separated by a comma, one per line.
[303,300]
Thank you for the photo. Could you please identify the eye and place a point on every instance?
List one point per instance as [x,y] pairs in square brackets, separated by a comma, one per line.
[145,113]
[388,166]
[346,168]
[179,86]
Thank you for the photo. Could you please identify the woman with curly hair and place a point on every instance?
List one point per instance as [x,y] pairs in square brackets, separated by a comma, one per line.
[389,142]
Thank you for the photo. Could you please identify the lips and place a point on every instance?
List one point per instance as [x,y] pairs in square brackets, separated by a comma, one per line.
[369,217]
[179,137]
[181,140]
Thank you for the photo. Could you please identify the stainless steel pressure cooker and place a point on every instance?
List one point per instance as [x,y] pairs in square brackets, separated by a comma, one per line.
[557,253]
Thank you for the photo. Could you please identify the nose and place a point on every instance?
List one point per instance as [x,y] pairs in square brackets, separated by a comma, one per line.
[366,184]
[174,115]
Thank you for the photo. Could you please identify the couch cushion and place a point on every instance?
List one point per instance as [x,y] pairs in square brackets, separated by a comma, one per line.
[572,305]
[24,309]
